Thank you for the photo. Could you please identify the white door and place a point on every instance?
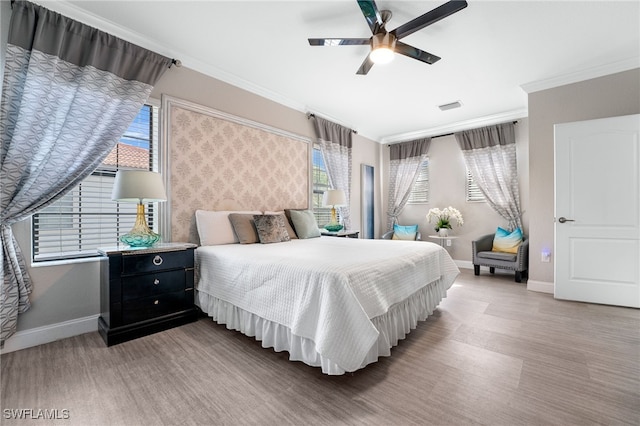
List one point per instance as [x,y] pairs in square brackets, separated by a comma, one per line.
[597,211]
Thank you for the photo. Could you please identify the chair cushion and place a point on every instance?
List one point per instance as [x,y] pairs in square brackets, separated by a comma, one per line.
[407,232]
[507,242]
[496,255]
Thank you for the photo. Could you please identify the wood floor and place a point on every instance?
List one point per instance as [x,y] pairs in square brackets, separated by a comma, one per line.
[493,353]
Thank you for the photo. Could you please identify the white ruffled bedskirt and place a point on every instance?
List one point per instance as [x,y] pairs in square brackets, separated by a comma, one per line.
[392,326]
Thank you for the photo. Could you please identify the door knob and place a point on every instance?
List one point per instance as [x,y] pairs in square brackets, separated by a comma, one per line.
[564,219]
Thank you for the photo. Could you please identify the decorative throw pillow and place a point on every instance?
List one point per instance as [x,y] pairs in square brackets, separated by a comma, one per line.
[215,228]
[406,232]
[287,224]
[244,227]
[304,223]
[507,242]
[271,228]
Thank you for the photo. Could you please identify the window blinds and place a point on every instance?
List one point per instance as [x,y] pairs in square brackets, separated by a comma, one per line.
[86,218]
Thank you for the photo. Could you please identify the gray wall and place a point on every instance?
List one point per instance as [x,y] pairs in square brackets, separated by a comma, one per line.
[447,176]
[610,96]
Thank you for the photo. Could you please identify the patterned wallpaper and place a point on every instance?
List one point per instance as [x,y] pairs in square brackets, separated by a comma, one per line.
[221,162]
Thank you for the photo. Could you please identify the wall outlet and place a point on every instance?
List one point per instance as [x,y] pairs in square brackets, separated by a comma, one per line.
[545,257]
[448,243]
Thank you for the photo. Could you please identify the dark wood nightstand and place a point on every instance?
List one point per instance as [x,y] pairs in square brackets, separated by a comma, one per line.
[346,234]
[145,290]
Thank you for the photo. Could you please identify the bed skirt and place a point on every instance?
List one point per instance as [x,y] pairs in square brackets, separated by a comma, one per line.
[392,326]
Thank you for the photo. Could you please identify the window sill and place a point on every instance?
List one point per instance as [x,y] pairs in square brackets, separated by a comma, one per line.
[46,263]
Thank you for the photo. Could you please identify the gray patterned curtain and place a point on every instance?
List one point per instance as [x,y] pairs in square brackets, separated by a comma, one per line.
[69,92]
[404,167]
[490,155]
[335,143]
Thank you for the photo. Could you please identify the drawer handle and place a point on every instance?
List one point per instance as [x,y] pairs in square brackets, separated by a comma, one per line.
[155,302]
[156,281]
[157,260]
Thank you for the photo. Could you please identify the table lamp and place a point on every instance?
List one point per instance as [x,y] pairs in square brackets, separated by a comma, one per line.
[333,198]
[139,186]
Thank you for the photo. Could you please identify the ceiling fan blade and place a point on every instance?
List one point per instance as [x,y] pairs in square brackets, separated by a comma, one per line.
[415,53]
[365,67]
[338,41]
[371,14]
[429,18]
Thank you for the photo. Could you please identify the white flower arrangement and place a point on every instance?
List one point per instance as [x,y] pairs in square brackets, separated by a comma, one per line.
[443,217]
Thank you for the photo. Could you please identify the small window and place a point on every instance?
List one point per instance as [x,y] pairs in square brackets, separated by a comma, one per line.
[473,191]
[420,190]
[320,185]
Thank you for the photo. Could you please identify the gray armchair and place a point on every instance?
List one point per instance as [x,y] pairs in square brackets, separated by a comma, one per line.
[389,235]
[483,256]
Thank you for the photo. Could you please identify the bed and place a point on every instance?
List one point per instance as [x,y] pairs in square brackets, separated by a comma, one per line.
[333,303]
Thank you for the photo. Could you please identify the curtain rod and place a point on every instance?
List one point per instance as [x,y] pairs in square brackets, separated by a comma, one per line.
[176,62]
[448,134]
[310,114]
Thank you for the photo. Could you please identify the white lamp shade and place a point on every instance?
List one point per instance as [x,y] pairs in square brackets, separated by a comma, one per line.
[138,186]
[334,197]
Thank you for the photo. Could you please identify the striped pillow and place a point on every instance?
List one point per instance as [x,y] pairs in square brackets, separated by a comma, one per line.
[507,242]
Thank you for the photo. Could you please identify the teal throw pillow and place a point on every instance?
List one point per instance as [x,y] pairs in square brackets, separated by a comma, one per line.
[404,232]
[305,224]
[507,242]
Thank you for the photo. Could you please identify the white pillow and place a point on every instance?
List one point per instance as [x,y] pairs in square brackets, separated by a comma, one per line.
[214,227]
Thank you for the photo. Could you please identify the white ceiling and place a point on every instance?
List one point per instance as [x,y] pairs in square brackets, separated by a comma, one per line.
[492,52]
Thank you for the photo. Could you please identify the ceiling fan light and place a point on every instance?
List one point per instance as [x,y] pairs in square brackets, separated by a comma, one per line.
[382,45]
[381,55]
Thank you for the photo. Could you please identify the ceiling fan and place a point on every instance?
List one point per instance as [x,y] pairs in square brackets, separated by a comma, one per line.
[384,43]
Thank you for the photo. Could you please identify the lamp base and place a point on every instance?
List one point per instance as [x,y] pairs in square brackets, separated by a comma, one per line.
[333,227]
[140,240]
[140,235]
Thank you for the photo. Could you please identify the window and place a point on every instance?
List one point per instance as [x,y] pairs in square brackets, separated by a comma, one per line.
[320,185]
[420,191]
[86,218]
[473,191]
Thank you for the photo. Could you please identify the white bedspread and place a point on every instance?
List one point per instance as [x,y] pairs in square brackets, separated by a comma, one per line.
[325,289]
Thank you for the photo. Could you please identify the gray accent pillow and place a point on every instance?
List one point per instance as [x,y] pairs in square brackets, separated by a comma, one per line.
[271,228]
[305,223]
[244,227]
[287,223]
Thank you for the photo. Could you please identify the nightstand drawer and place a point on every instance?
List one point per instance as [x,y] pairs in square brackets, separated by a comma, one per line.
[136,287]
[136,264]
[152,307]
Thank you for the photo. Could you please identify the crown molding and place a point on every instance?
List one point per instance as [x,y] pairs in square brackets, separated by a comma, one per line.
[81,15]
[582,75]
[474,123]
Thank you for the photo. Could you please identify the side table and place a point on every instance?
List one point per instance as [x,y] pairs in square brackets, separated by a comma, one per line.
[441,240]
[145,290]
[343,233]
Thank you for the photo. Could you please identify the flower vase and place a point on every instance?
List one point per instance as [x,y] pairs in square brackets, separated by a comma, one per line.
[443,232]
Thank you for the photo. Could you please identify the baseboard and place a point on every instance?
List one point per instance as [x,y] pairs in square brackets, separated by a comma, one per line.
[50,333]
[464,264]
[540,286]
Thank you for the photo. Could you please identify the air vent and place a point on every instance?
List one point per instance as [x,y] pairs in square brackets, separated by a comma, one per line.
[452,105]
